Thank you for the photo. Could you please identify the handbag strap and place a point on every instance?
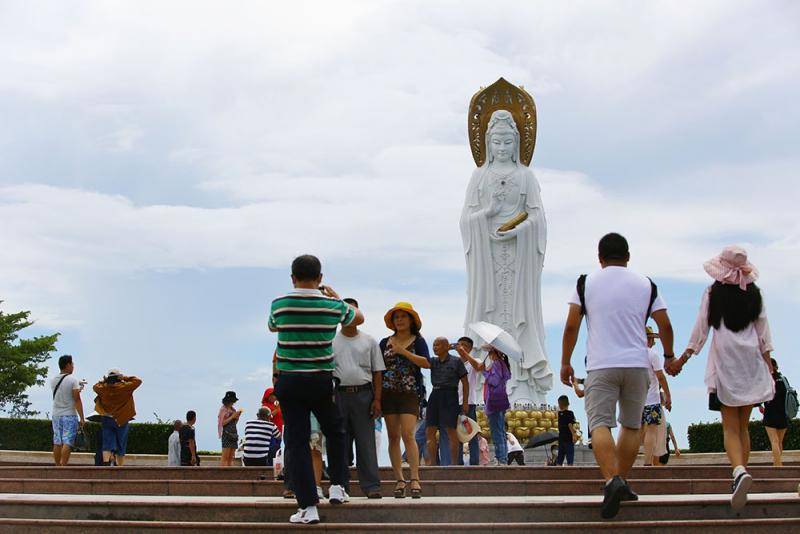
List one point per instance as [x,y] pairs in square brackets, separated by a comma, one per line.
[58,385]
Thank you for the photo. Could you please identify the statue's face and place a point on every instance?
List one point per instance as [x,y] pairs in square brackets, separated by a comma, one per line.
[502,146]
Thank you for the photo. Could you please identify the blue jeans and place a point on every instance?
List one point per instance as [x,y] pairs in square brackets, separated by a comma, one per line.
[497,425]
[566,449]
[474,450]
[115,437]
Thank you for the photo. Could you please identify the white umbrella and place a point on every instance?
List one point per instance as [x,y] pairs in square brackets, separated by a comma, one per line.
[499,338]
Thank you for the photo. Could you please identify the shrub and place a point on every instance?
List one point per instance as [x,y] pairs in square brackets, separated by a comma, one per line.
[37,435]
[707,437]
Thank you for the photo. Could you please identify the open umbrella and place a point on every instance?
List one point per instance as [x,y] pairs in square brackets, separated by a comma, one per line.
[545,438]
[499,338]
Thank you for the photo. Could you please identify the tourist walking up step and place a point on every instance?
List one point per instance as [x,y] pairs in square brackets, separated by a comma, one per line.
[67,409]
[617,303]
[776,419]
[448,375]
[227,419]
[115,403]
[259,435]
[566,432]
[174,445]
[739,370]
[515,451]
[405,354]
[306,320]
[473,379]
[359,374]
[654,407]
[188,445]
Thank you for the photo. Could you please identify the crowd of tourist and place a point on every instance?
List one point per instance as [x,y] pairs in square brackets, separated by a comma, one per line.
[334,383]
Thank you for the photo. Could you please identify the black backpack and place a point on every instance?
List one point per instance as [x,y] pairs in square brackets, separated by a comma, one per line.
[581,287]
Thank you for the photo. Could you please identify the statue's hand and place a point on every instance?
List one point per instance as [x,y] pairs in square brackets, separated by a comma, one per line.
[509,235]
[494,204]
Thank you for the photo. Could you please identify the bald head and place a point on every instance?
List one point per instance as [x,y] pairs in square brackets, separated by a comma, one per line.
[441,347]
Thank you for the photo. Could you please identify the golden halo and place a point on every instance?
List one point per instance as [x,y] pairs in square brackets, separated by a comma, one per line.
[501,95]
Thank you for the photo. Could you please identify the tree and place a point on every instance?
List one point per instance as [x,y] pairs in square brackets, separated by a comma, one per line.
[21,363]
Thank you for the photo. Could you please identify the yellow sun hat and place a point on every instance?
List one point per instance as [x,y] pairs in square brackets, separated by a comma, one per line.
[406,307]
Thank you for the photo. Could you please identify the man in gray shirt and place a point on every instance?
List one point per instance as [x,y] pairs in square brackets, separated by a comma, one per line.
[67,410]
[359,367]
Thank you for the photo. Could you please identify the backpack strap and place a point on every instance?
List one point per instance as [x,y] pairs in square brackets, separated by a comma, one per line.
[55,390]
[581,288]
[653,296]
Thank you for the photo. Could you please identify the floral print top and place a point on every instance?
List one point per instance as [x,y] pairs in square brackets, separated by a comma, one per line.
[401,375]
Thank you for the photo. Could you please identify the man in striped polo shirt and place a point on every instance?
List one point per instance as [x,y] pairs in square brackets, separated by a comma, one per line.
[306,320]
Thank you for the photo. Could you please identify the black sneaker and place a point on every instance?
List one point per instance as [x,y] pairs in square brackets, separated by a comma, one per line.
[628,494]
[612,496]
[740,488]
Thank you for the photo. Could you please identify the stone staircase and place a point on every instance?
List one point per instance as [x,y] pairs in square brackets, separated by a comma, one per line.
[486,499]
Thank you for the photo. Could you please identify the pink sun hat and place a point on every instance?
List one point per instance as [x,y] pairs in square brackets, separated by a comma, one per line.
[732,267]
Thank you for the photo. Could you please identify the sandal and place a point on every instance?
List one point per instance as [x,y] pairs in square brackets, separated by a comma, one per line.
[416,493]
[400,492]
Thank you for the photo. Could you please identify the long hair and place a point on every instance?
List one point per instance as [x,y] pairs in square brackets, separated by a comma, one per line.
[736,308]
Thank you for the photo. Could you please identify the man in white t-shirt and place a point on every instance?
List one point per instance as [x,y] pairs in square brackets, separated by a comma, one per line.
[617,303]
[67,409]
[174,445]
[653,412]
[359,367]
[474,384]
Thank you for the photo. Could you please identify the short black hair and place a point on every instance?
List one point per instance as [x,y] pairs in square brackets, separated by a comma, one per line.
[613,247]
[306,268]
[64,361]
[467,340]
[564,399]
[351,301]
[190,415]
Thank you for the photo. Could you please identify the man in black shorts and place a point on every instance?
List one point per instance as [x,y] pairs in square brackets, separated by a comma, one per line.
[442,414]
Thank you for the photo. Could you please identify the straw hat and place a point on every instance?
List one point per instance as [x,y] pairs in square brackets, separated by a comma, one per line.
[406,307]
[732,267]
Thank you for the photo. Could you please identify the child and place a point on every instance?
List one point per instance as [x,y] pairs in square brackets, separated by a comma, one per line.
[566,432]
[483,447]
[515,451]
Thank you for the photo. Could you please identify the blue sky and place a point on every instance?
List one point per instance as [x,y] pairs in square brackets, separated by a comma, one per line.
[160,166]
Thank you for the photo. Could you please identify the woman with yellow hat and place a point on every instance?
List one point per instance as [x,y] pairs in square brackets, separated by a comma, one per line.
[405,353]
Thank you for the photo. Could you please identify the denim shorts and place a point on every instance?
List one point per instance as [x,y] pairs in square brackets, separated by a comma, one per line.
[65,428]
[115,437]
[443,408]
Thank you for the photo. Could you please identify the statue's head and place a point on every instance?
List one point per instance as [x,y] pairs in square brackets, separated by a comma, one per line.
[502,138]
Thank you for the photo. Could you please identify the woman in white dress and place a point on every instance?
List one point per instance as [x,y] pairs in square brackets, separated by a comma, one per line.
[739,371]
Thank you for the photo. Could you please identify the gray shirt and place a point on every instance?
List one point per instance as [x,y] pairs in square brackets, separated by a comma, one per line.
[356,359]
[63,402]
[448,373]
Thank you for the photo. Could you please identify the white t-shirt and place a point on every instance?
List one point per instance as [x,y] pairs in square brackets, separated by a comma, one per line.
[474,384]
[616,304]
[513,444]
[356,359]
[174,449]
[63,403]
[656,364]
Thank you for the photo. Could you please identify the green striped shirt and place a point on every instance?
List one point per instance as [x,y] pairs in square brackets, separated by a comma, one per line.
[306,322]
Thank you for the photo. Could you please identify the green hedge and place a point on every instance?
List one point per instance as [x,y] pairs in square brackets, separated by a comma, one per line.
[37,435]
[707,437]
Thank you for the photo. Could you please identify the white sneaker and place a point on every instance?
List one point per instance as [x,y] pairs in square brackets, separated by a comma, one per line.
[337,495]
[305,516]
[320,494]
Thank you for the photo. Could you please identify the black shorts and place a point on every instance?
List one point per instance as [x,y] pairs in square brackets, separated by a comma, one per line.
[255,462]
[443,408]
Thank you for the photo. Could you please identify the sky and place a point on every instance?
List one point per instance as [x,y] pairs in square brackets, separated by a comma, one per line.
[161,164]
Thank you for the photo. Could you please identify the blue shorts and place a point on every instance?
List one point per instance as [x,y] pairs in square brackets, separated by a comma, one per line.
[443,408]
[115,438]
[65,428]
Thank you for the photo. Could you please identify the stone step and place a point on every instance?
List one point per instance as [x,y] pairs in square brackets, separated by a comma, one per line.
[440,510]
[426,473]
[704,526]
[432,488]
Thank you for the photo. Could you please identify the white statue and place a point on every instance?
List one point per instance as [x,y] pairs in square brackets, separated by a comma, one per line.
[504,268]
